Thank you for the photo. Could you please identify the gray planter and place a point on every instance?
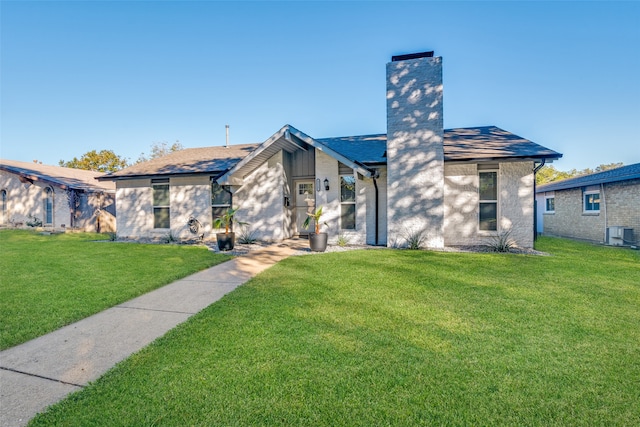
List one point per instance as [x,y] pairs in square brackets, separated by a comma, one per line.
[226,241]
[318,242]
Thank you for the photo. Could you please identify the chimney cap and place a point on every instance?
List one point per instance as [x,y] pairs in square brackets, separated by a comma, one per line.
[397,58]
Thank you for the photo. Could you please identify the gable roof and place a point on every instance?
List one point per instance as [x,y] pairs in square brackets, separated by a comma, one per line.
[66,178]
[487,143]
[290,139]
[205,160]
[623,173]
[362,153]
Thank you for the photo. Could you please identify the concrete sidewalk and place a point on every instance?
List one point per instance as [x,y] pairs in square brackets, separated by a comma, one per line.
[41,372]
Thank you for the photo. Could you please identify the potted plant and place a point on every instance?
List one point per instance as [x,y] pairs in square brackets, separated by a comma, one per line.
[226,240]
[317,240]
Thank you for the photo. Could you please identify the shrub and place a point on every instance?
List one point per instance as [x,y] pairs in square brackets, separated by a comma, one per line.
[343,240]
[503,242]
[247,236]
[415,239]
[170,238]
[33,221]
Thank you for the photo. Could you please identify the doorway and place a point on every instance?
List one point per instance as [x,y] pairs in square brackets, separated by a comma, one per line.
[305,202]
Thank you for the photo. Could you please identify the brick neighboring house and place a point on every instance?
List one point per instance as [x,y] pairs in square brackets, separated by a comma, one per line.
[59,197]
[593,207]
[458,187]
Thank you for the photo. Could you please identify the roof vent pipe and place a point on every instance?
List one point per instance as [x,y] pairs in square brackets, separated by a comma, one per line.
[227,131]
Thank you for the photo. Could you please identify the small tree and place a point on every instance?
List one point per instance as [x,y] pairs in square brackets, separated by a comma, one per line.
[316,217]
[227,220]
[102,161]
[160,149]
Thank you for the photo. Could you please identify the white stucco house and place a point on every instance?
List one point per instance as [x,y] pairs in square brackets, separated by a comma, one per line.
[59,198]
[456,187]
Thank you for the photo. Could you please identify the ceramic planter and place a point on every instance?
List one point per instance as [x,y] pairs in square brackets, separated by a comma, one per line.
[318,242]
[226,241]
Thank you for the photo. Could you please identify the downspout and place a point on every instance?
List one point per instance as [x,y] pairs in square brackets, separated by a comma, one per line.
[535,202]
[604,204]
[375,185]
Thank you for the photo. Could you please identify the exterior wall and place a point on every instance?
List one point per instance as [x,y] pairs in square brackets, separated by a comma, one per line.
[364,233]
[260,201]
[515,204]
[623,205]
[618,207]
[96,212]
[189,196]
[415,153]
[134,200]
[516,201]
[327,167]
[25,200]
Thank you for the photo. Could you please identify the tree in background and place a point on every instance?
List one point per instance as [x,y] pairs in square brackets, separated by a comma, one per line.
[159,149]
[102,161]
[548,174]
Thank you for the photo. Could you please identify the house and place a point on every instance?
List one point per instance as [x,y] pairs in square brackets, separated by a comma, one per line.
[58,197]
[452,187]
[601,207]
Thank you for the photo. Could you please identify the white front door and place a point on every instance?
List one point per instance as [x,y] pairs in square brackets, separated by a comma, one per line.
[305,202]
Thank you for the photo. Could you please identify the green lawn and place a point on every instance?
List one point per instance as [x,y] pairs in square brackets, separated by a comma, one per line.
[392,337]
[49,281]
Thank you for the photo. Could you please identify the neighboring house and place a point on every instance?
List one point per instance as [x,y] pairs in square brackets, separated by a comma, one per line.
[601,207]
[455,187]
[58,197]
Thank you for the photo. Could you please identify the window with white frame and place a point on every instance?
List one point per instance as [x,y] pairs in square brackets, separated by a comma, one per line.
[549,204]
[3,211]
[347,202]
[220,200]
[591,201]
[161,203]
[488,201]
[48,205]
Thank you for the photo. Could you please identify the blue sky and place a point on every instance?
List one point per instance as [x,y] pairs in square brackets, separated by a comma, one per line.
[121,75]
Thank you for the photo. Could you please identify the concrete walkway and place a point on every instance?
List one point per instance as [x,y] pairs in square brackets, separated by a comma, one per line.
[41,372]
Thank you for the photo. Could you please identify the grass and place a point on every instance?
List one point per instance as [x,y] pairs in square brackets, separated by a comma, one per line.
[391,337]
[49,281]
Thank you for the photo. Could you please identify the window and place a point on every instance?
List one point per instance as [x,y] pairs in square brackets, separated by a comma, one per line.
[347,202]
[161,203]
[550,204]
[488,201]
[48,206]
[591,201]
[305,188]
[220,200]
[3,208]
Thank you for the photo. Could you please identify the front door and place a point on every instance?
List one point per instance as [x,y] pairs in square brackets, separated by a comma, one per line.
[305,202]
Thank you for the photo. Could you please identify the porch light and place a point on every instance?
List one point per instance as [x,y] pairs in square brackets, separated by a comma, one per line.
[326,184]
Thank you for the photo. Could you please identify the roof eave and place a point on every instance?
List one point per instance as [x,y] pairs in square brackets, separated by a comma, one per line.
[49,181]
[294,138]
[548,158]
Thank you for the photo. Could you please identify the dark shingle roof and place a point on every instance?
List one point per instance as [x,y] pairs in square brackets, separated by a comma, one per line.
[366,149]
[461,144]
[623,173]
[76,179]
[209,160]
[490,142]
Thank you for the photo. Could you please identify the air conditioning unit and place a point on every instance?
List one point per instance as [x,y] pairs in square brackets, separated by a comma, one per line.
[619,236]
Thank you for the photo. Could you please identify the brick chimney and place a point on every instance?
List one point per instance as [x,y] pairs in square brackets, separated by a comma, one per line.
[415,152]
